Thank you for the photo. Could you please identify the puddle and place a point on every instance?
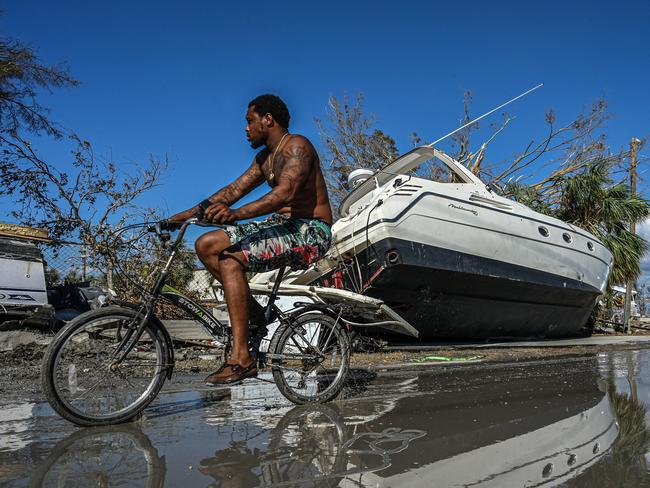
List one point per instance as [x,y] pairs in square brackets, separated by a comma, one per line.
[569,422]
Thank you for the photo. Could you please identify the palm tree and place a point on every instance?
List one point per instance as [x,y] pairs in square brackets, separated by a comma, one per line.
[590,200]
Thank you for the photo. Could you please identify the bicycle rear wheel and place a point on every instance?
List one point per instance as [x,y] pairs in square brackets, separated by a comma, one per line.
[81,379]
[310,358]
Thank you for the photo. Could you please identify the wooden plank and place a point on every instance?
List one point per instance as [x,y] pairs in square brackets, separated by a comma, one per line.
[23,232]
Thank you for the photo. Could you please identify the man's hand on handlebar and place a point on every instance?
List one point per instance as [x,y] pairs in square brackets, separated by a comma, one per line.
[219,213]
[216,213]
[175,221]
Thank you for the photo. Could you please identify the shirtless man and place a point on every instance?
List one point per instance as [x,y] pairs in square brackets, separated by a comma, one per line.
[296,234]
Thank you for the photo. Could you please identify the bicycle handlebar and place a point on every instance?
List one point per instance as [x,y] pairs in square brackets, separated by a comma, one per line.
[167,225]
[162,228]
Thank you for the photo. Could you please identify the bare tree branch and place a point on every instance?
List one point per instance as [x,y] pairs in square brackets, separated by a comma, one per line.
[86,207]
[351,142]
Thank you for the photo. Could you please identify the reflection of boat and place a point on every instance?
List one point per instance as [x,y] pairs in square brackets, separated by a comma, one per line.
[534,428]
[454,259]
[547,456]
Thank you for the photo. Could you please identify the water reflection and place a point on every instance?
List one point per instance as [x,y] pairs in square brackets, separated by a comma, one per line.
[312,446]
[626,375]
[103,456]
[538,425]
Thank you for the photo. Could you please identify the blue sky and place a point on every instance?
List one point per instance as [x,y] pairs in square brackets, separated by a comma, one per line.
[174,78]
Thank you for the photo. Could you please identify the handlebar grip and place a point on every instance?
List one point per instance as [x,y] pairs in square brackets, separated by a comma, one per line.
[166,225]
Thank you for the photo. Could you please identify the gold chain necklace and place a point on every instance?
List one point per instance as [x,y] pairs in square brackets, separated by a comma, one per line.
[271,174]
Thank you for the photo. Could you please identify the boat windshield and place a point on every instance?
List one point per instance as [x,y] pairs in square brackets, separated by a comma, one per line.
[435,169]
[421,162]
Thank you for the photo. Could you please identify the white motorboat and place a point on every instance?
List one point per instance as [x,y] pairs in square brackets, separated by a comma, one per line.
[427,238]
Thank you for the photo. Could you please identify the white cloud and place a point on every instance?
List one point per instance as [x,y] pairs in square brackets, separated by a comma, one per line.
[643,229]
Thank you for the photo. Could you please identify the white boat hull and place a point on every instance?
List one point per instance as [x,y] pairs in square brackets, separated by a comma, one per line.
[457,261]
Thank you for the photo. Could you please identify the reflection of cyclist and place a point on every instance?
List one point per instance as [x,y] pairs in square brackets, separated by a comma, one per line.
[296,234]
[311,445]
[304,449]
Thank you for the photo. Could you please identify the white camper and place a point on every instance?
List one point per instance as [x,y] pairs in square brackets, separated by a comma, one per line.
[22,276]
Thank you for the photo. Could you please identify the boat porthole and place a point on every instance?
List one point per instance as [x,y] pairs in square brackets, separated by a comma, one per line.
[543,230]
[572,459]
[596,449]
[567,237]
[590,245]
[548,469]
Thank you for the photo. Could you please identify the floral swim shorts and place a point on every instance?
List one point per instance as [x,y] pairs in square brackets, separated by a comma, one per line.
[281,241]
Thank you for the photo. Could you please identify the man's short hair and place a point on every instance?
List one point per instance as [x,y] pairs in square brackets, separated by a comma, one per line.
[271,104]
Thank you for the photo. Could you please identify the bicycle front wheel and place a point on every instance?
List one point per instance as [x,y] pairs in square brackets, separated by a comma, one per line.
[310,358]
[80,375]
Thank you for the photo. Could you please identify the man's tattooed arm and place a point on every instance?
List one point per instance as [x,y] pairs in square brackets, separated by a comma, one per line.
[293,168]
[251,179]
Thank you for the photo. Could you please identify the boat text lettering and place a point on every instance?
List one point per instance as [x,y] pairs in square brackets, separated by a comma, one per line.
[458,207]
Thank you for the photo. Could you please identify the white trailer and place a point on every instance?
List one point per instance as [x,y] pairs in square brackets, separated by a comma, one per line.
[22,277]
[23,292]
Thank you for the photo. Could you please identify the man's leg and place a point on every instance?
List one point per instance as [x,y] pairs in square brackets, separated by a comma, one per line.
[237,291]
[228,266]
[209,248]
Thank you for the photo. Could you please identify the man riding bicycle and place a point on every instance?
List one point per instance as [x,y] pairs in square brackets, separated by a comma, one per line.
[297,233]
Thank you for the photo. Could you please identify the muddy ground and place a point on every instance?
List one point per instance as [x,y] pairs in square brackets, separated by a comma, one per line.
[21,366]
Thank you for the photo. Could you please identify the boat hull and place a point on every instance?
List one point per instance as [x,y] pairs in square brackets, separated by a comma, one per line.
[458,261]
[449,294]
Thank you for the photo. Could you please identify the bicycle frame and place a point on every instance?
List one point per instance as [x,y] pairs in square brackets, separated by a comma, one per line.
[210,324]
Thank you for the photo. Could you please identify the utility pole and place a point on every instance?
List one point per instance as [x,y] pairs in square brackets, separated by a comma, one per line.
[628,286]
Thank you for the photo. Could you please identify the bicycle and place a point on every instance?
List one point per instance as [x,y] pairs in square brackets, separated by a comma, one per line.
[107,365]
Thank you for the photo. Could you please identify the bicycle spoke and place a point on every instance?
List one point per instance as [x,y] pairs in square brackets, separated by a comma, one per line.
[121,375]
[140,363]
[88,390]
[328,340]
[316,329]
[310,344]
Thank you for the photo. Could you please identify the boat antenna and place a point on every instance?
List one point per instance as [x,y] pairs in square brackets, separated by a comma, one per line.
[485,115]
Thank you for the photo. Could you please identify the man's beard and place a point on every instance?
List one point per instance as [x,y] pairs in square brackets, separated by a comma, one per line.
[255,144]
